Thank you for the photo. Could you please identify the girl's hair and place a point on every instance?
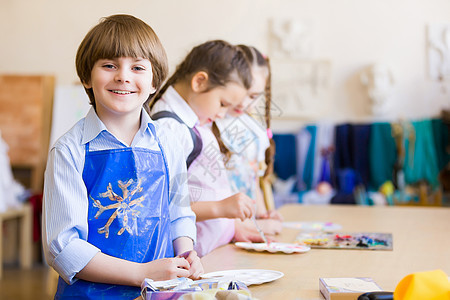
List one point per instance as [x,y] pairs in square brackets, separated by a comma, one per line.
[256,60]
[121,36]
[223,62]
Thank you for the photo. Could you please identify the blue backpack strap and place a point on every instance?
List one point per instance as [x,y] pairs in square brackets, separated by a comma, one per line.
[196,139]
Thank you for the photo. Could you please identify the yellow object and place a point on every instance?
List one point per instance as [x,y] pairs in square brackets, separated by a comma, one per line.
[266,187]
[430,285]
[387,188]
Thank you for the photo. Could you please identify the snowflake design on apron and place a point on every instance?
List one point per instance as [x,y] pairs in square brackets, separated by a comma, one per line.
[124,206]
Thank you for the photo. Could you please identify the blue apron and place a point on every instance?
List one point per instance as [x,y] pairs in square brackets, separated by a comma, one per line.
[128,214]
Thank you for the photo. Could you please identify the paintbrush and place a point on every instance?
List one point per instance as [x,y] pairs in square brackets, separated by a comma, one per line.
[261,233]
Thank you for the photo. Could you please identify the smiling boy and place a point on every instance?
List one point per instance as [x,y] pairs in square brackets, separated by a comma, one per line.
[110,219]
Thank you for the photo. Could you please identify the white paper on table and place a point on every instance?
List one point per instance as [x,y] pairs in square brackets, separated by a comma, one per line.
[352,284]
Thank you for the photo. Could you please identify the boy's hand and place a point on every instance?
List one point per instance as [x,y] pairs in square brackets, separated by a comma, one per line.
[196,267]
[237,206]
[166,268]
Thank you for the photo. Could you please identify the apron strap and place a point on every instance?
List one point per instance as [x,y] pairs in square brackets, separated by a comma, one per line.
[196,139]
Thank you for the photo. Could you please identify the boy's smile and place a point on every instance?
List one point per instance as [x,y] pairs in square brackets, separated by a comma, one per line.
[121,86]
[121,92]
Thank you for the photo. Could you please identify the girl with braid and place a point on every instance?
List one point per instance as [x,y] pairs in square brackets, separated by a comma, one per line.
[246,140]
[214,77]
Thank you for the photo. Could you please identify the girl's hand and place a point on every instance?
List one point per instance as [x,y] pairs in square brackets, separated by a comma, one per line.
[196,267]
[237,206]
[166,268]
[270,226]
[271,214]
[246,233]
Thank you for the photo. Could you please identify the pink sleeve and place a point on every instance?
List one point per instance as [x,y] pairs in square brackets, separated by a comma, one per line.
[212,234]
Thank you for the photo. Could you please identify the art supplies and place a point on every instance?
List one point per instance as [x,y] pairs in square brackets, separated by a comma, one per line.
[433,284]
[346,240]
[179,288]
[346,288]
[261,233]
[247,276]
[274,247]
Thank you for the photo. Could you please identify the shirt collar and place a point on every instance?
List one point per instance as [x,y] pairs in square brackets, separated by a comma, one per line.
[180,107]
[93,125]
[146,122]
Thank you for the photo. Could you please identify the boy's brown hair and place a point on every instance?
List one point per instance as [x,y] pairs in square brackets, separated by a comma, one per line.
[121,36]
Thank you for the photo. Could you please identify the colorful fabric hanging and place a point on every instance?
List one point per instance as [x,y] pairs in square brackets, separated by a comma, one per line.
[382,154]
[285,155]
[422,162]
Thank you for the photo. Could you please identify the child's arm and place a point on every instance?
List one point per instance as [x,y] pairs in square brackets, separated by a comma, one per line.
[107,269]
[237,206]
[64,214]
[182,218]
[183,229]
[182,245]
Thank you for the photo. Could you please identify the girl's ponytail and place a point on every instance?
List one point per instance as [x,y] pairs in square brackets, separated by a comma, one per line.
[270,152]
[257,59]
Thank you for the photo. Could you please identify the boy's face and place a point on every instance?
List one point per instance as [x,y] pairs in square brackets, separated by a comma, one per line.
[121,86]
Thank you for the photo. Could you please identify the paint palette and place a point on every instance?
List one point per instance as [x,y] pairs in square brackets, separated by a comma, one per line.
[346,240]
[247,276]
[274,247]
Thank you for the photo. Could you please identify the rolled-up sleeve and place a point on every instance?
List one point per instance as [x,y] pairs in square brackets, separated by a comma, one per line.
[64,220]
[181,215]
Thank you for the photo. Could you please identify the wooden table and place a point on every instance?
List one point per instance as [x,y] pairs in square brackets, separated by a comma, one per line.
[24,214]
[421,239]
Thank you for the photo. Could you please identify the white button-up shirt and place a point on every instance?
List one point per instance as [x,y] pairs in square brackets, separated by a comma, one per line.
[65,224]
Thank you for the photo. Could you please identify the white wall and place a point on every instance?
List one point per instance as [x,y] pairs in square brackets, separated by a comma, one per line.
[42,36]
